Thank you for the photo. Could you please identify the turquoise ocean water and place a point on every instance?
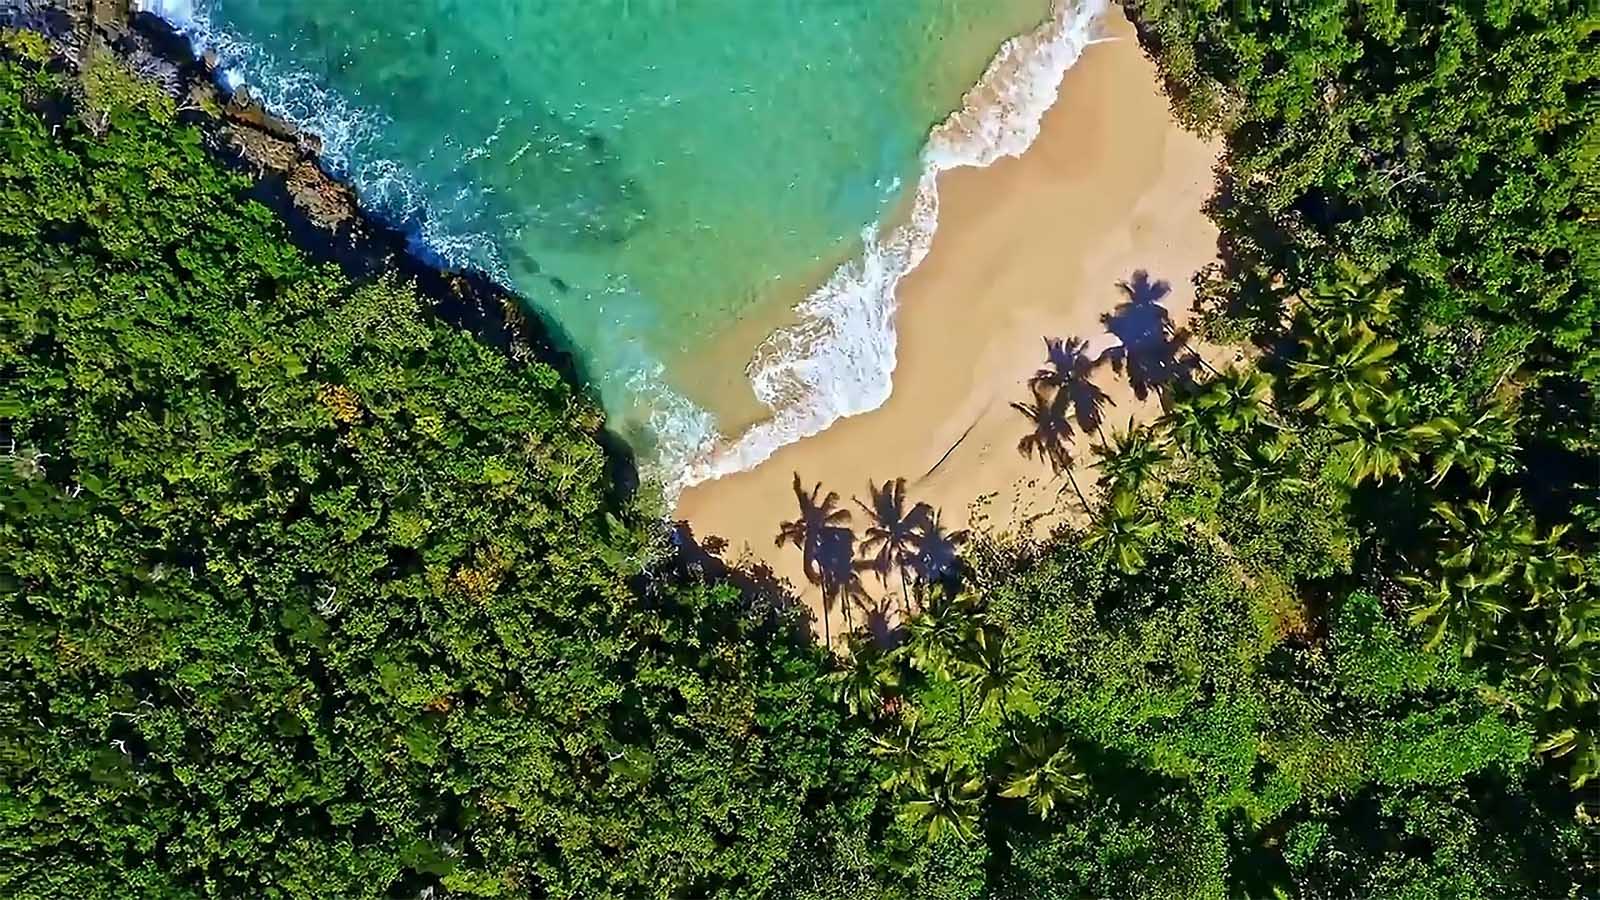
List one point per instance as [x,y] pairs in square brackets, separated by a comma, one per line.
[648,173]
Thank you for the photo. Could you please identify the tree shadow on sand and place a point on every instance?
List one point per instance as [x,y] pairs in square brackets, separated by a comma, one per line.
[839,577]
[938,560]
[1069,368]
[901,539]
[1050,439]
[880,622]
[1152,353]
[893,535]
[827,546]
[762,594]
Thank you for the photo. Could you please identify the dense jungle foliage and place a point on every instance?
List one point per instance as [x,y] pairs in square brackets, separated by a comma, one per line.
[309,595]
[306,595]
[1331,630]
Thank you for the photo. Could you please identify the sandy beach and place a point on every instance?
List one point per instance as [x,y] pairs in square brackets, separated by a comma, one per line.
[1028,249]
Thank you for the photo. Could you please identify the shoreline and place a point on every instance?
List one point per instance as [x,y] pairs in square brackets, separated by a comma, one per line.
[1029,248]
[801,372]
[831,353]
[366,245]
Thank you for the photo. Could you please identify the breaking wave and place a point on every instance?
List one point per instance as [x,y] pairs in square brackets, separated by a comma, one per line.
[839,359]
[348,133]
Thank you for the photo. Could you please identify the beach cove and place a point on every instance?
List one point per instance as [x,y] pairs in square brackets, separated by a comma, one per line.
[653,179]
[1028,249]
[1037,218]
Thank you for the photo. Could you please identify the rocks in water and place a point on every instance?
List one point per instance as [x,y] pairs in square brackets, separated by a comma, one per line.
[235,119]
[327,202]
[320,212]
[244,109]
[265,151]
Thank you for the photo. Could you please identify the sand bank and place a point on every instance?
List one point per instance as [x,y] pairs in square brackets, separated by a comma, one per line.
[1027,249]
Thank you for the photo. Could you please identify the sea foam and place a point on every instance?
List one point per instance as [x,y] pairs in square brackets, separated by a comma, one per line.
[348,134]
[839,359]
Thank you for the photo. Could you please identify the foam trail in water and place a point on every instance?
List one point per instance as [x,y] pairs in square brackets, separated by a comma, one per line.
[839,360]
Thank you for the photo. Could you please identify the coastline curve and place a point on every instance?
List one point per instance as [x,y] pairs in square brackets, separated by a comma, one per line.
[839,360]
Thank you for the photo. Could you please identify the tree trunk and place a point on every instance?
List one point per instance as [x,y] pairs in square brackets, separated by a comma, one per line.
[1079,491]
[1173,334]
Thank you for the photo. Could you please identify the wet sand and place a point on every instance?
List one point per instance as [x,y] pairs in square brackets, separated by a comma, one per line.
[1026,249]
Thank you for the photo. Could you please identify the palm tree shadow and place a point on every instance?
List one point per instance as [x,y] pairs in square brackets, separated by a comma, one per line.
[827,546]
[938,559]
[839,573]
[1150,351]
[1050,440]
[1069,368]
[885,628]
[893,534]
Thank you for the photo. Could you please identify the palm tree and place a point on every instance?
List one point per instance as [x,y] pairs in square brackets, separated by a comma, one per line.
[894,537]
[1378,441]
[993,674]
[1466,604]
[1486,538]
[1043,772]
[1051,437]
[936,634]
[1340,306]
[1484,533]
[1238,399]
[1266,469]
[1559,659]
[1584,749]
[1192,426]
[865,678]
[1137,453]
[1478,447]
[1122,528]
[1231,404]
[1338,372]
[1069,367]
[946,801]
[908,751]
[822,523]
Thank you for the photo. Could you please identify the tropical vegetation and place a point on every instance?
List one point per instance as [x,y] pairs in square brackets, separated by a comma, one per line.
[307,593]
